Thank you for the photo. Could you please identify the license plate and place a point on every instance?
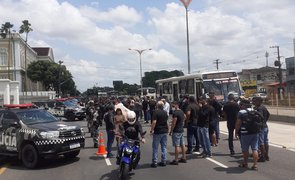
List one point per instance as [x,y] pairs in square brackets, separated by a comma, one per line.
[73,146]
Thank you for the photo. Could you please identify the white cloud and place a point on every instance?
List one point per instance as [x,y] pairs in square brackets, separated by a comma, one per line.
[120,16]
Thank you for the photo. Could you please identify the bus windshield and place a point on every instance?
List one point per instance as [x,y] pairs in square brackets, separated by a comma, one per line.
[222,87]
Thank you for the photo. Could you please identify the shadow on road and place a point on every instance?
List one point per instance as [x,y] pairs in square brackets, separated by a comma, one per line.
[44,163]
[231,170]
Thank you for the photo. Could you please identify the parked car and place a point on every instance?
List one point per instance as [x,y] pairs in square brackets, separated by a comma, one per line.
[259,94]
[63,107]
[32,134]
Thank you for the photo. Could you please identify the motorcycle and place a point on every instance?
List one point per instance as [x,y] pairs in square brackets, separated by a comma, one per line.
[128,156]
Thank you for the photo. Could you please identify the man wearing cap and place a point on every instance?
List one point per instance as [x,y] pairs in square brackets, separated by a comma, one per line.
[263,135]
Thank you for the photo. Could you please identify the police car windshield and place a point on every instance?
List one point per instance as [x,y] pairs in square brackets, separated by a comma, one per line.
[36,116]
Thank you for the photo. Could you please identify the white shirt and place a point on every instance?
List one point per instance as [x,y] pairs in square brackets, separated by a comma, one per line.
[167,108]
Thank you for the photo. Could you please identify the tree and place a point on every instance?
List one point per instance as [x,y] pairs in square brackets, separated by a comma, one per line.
[150,78]
[118,85]
[5,31]
[47,72]
[25,28]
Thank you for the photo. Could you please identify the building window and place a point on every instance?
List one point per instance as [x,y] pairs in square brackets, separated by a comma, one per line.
[258,77]
[291,70]
[3,57]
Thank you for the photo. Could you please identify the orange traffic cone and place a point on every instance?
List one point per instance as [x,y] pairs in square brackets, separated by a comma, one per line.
[101,150]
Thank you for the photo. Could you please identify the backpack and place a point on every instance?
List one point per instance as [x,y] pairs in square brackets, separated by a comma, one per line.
[253,122]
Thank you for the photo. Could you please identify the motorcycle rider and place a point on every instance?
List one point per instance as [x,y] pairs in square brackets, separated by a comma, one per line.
[132,130]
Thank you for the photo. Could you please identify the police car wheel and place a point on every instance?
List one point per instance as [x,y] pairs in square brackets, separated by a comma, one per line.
[30,156]
[72,154]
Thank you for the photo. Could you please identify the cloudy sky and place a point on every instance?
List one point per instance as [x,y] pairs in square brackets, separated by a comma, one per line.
[93,37]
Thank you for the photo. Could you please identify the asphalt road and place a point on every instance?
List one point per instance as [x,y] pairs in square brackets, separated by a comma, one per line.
[88,166]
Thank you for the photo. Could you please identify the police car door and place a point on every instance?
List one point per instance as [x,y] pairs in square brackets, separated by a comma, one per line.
[9,125]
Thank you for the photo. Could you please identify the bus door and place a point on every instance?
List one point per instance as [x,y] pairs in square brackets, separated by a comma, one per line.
[175,92]
[199,89]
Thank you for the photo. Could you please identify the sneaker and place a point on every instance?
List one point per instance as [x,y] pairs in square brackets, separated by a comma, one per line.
[163,164]
[267,158]
[204,156]
[261,159]
[196,150]
[110,155]
[182,160]
[174,162]
[154,165]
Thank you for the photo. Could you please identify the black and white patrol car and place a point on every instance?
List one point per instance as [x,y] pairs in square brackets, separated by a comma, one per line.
[32,134]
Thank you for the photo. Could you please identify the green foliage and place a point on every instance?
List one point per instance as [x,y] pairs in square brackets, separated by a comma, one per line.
[118,85]
[150,78]
[25,28]
[48,72]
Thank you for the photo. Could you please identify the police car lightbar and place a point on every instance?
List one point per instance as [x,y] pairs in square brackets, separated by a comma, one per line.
[61,99]
[29,105]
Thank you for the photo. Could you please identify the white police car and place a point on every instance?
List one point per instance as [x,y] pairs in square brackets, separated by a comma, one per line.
[32,134]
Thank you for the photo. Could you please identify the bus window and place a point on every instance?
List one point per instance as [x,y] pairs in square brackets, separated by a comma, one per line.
[190,86]
[182,87]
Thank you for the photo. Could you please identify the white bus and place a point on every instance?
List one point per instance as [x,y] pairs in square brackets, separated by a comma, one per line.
[147,91]
[221,83]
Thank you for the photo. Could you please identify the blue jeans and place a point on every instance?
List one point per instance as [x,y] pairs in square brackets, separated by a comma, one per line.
[111,137]
[263,136]
[203,134]
[192,131]
[160,139]
[147,115]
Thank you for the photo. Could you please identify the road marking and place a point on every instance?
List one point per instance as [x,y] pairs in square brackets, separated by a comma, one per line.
[108,161]
[3,169]
[276,145]
[212,160]
[291,149]
[216,162]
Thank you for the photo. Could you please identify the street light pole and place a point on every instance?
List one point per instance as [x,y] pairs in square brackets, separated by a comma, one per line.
[186,4]
[140,51]
[59,84]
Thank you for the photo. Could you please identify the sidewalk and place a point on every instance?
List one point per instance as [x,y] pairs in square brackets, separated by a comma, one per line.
[282,134]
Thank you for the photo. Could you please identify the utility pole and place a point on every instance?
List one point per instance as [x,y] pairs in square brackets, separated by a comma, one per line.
[279,64]
[217,62]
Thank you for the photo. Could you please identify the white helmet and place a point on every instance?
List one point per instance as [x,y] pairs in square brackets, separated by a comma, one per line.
[131,117]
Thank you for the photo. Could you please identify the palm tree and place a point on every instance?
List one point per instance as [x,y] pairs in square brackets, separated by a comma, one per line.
[25,28]
[5,31]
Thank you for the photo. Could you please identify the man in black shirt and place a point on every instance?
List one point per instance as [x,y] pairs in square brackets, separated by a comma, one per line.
[217,107]
[230,113]
[176,132]
[146,109]
[159,130]
[152,105]
[191,120]
[206,114]
[110,128]
[263,135]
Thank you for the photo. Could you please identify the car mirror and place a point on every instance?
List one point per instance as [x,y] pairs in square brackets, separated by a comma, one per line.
[14,124]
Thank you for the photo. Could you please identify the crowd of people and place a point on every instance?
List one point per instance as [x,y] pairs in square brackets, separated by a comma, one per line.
[199,115]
